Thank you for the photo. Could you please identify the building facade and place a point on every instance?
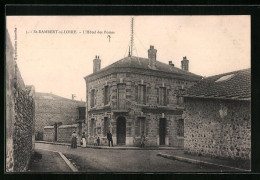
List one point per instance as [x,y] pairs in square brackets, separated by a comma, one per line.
[217,117]
[136,96]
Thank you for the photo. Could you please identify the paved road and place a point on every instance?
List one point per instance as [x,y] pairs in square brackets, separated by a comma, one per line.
[105,160]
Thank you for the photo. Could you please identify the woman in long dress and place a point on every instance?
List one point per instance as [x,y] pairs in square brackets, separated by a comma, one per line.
[74,140]
[84,142]
[142,139]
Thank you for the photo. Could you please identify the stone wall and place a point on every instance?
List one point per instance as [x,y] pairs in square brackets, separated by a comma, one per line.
[218,128]
[49,133]
[51,109]
[65,132]
[19,116]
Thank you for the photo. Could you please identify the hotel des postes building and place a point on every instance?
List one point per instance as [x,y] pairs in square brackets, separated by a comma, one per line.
[137,95]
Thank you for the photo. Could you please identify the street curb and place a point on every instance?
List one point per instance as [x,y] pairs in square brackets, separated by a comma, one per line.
[194,161]
[72,167]
[117,148]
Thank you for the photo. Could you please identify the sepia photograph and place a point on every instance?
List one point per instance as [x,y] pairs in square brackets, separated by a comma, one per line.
[128,94]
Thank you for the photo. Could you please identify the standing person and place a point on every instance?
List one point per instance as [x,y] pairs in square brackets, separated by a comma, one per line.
[74,140]
[84,142]
[109,138]
[142,139]
[98,141]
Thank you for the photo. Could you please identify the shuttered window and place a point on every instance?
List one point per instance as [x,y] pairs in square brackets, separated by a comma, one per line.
[106,95]
[92,98]
[162,97]
[141,94]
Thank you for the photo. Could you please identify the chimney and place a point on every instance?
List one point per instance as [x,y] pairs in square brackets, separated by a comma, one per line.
[152,56]
[170,63]
[96,64]
[185,64]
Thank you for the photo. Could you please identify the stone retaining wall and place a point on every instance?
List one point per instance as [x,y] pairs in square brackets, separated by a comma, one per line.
[19,116]
[210,131]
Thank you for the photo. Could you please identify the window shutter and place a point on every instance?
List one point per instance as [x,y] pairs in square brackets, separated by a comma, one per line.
[104,95]
[164,96]
[158,96]
[108,94]
[144,98]
[95,97]
[136,94]
[168,96]
[137,127]
[148,93]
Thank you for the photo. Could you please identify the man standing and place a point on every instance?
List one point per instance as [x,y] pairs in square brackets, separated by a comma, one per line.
[109,138]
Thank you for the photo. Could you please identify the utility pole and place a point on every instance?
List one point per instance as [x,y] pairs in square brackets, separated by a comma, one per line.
[132,35]
[73,96]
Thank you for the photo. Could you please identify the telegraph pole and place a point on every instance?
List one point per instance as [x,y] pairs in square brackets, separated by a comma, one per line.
[132,35]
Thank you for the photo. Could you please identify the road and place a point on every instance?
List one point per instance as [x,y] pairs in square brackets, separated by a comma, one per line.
[106,160]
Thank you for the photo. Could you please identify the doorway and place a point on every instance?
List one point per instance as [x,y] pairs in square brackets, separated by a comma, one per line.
[162,131]
[121,130]
[55,132]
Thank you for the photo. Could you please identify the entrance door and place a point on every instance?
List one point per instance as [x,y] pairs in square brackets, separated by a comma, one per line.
[55,132]
[162,131]
[121,96]
[121,130]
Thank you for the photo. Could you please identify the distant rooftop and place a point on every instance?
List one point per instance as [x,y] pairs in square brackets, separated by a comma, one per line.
[50,96]
[233,85]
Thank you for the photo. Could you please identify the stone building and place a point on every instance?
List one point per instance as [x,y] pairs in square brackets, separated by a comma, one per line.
[217,116]
[137,95]
[52,110]
[19,115]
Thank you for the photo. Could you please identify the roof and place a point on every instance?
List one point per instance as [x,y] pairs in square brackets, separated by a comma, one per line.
[143,63]
[50,96]
[233,85]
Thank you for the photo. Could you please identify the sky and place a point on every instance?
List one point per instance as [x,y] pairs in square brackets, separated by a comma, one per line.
[58,62]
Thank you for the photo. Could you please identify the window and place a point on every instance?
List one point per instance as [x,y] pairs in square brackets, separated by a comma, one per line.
[92,98]
[106,95]
[140,126]
[106,126]
[81,112]
[162,96]
[141,94]
[180,128]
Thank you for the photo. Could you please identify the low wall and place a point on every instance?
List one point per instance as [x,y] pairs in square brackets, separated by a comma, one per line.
[65,132]
[49,133]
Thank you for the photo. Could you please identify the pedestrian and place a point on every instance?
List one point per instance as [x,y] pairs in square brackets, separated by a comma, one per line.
[142,139]
[74,140]
[84,142]
[98,141]
[109,138]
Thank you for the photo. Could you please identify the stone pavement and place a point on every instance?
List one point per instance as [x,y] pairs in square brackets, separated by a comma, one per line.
[47,161]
